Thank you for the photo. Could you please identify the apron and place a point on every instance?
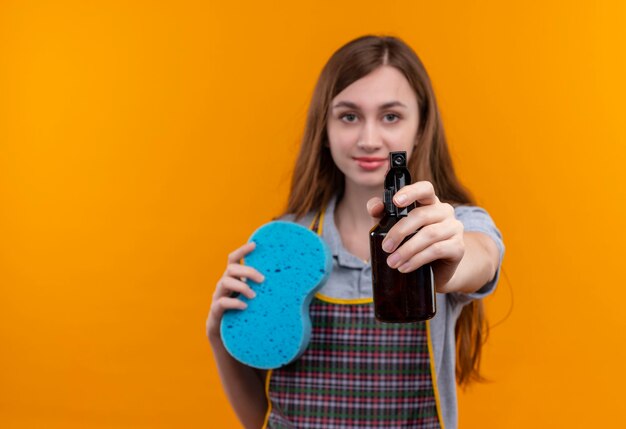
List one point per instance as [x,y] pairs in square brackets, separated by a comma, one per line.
[356,372]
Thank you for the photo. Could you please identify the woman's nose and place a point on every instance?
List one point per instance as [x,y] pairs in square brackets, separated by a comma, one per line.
[370,138]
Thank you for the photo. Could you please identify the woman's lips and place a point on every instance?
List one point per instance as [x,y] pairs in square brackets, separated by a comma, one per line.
[370,164]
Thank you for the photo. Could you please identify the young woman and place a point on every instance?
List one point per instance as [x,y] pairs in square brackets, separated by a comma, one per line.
[372,97]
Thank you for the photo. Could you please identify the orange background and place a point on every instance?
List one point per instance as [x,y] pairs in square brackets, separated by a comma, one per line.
[141,142]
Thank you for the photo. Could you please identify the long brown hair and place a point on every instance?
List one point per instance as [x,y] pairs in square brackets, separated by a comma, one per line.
[316,177]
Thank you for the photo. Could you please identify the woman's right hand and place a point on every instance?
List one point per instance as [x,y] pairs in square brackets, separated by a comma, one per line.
[232,281]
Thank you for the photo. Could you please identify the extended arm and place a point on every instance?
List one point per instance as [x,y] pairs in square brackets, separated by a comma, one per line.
[478,265]
[462,261]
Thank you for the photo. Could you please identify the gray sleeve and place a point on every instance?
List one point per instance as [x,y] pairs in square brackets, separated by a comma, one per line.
[476,218]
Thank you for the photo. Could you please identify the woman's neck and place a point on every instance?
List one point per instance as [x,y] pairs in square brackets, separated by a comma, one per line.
[353,221]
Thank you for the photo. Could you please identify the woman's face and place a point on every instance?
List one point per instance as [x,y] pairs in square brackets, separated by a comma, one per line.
[373,116]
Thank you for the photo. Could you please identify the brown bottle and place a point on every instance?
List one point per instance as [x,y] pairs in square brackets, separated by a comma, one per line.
[398,297]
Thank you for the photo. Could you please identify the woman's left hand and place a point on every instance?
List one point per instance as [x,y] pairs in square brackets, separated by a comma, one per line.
[438,241]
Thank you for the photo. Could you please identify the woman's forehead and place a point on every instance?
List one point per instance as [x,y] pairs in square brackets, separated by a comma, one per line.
[383,88]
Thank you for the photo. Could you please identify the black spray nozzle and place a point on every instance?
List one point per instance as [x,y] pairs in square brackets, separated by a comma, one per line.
[397,159]
[397,177]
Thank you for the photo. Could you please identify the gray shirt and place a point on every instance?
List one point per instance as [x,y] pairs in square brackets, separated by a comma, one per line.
[351,278]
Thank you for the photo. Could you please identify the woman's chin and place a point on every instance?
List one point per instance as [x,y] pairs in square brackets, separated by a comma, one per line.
[376,184]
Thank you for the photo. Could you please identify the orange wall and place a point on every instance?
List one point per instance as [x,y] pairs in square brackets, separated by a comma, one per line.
[140,142]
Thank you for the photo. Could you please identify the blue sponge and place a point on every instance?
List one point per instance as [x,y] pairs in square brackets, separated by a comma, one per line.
[275,328]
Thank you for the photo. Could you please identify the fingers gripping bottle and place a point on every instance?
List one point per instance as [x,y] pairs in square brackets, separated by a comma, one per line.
[398,297]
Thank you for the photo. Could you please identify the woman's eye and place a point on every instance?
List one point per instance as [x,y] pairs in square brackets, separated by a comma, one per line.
[349,116]
[392,116]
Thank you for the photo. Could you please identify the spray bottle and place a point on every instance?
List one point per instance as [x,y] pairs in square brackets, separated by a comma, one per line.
[398,297]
